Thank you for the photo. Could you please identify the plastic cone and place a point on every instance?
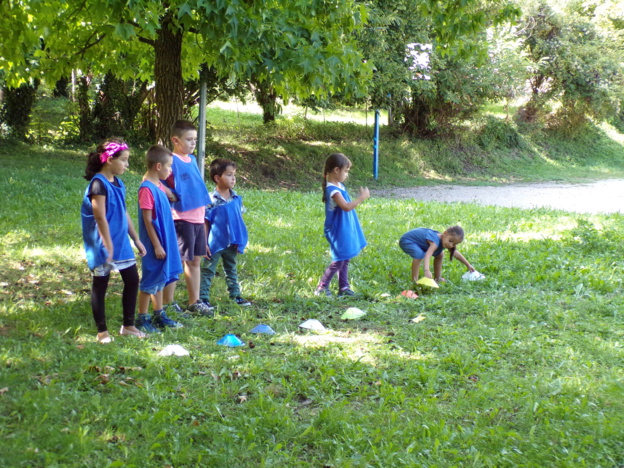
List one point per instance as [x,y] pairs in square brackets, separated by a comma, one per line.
[230,340]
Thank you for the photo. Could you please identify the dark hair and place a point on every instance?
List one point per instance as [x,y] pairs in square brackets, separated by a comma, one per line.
[181,127]
[219,166]
[157,154]
[336,160]
[94,164]
[458,232]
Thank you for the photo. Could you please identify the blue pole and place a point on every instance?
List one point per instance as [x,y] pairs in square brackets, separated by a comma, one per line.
[376,146]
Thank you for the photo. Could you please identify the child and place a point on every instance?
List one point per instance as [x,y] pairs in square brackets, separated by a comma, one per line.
[105,229]
[342,228]
[190,197]
[422,243]
[161,264]
[227,231]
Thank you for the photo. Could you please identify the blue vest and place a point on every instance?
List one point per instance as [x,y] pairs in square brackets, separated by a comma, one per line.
[227,226]
[156,271]
[189,185]
[117,223]
[342,229]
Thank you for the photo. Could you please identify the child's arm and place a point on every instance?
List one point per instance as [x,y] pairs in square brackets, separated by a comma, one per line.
[133,235]
[98,202]
[461,258]
[207,229]
[169,186]
[348,206]
[151,232]
[428,254]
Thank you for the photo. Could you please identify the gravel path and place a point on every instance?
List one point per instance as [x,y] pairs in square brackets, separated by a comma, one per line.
[603,196]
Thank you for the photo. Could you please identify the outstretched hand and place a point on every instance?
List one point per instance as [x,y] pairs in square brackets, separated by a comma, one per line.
[364,193]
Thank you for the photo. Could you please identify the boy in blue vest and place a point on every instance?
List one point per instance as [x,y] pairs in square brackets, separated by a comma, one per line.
[161,264]
[189,196]
[227,233]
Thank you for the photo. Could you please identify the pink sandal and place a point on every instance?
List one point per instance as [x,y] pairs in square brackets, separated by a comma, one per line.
[125,332]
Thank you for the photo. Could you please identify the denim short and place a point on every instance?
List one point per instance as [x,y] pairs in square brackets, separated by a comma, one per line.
[412,249]
[154,289]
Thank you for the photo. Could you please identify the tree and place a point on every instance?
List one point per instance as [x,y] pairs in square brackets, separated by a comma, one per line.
[576,60]
[431,58]
[301,47]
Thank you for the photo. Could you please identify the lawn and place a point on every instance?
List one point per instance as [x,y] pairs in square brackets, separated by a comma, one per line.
[522,369]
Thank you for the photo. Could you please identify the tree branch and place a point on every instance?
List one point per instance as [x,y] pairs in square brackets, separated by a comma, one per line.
[88,45]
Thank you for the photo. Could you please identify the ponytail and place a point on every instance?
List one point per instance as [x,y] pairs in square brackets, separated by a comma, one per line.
[113,147]
[458,233]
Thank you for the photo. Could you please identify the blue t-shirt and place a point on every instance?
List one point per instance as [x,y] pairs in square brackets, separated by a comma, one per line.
[226,223]
[156,271]
[117,220]
[342,228]
[420,236]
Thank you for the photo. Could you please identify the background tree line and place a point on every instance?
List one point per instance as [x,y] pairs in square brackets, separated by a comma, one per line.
[136,67]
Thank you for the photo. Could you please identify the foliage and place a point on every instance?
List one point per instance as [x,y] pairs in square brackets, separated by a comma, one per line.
[433,72]
[521,369]
[575,61]
[17,104]
[301,47]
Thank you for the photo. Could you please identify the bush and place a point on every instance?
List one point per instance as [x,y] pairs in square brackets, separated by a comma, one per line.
[497,133]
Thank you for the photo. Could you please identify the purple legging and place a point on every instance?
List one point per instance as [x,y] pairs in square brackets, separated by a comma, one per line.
[342,268]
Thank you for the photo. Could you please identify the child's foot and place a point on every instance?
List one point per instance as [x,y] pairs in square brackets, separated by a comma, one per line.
[242,302]
[144,323]
[131,331]
[346,292]
[104,337]
[175,309]
[201,308]
[323,292]
[161,320]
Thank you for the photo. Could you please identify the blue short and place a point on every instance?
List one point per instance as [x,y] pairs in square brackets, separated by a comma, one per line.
[154,289]
[412,249]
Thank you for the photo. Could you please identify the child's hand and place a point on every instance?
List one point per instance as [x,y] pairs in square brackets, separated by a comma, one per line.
[364,193]
[471,268]
[160,253]
[208,253]
[428,274]
[140,247]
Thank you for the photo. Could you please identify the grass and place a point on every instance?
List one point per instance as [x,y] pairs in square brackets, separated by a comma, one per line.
[523,369]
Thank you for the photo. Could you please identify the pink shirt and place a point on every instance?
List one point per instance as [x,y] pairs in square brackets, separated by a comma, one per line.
[194,216]
[146,199]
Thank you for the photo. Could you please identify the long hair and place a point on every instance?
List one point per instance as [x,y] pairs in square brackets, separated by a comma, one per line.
[458,233]
[94,163]
[336,160]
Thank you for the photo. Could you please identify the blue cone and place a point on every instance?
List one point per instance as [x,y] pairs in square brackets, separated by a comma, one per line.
[230,340]
[262,328]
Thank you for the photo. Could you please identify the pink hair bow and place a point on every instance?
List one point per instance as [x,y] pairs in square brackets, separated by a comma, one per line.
[111,149]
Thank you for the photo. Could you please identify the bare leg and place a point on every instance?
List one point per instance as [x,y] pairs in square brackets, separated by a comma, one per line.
[157,300]
[415,269]
[168,292]
[144,300]
[192,274]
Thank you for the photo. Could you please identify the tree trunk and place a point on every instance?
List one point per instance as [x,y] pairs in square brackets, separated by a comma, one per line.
[267,99]
[168,78]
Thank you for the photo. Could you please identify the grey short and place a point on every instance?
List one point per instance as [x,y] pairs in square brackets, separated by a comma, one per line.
[191,240]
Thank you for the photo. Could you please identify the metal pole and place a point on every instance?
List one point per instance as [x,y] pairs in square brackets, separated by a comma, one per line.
[201,134]
[376,146]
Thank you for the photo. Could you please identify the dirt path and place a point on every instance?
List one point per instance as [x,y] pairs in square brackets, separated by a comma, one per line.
[604,196]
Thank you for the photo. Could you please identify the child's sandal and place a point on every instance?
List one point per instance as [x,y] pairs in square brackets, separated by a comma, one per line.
[104,338]
[126,332]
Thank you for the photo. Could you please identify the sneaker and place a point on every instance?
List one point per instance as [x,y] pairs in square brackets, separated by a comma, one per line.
[175,309]
[346,292]
[161,320]
[144,323]
[201,308]
[323,292]
[242,302]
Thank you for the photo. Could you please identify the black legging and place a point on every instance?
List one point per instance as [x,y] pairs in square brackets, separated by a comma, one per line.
[130,277]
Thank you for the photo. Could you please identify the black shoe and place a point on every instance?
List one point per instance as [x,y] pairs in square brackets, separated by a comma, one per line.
[346,292]
[242,302]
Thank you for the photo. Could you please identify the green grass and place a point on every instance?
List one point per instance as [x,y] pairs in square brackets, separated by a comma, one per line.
[523,369]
